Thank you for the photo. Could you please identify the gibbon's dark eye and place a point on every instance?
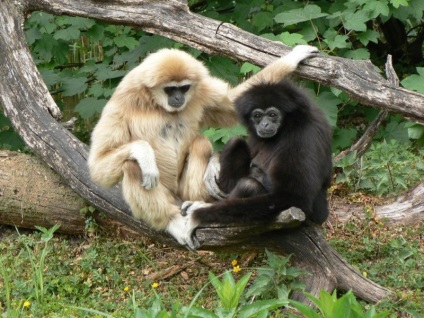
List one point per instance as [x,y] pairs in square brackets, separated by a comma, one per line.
[169,89]
[185,88]
[272,115]
[257,116]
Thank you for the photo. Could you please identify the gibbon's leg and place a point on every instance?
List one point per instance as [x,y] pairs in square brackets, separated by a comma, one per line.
[320,207]
[246,188]
[191,185]
[277,70]
[106,169]
[157,207]
[235,162]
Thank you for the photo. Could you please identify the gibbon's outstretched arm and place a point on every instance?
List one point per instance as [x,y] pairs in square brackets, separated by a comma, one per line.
[277,70]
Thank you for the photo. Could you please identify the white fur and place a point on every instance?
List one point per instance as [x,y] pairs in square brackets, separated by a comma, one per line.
[145,156]
[298,54]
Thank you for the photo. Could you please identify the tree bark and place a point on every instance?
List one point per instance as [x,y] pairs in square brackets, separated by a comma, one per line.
[31,109]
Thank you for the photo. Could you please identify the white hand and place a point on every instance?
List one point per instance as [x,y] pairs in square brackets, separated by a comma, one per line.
[299,53]
[143,153]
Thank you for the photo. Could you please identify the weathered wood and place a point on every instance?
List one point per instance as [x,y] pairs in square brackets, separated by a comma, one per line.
[30,107]
[173,19]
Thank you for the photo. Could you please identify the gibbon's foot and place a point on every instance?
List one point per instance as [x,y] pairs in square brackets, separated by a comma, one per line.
[210,177]
[177,227]
[299,53]
[187,211]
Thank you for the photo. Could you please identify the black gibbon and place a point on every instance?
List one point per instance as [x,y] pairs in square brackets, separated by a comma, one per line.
[148,133]
[287,161]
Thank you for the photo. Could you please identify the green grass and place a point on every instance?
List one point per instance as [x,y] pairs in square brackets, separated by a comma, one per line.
[107,275]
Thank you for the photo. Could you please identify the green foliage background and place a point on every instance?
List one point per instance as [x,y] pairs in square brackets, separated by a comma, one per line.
[82,60]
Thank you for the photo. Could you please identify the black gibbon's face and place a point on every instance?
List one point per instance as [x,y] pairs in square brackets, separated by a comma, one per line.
[266,122]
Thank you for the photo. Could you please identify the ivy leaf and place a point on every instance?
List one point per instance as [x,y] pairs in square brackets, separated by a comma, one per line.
[343,137]
[249,68]
[32,35]
[50,77]
[328,102]
[415,82]
[368,36]
[71,33]
[291,39]
[356,21]
[377,8]
[295,16]
[225,68]
[335,40]
[398,3]
[359,54]
[262,20]
[74,86]
[105,72]
[87,107]
[126,41]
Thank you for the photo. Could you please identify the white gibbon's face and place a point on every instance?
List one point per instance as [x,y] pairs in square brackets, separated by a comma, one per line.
[174,96]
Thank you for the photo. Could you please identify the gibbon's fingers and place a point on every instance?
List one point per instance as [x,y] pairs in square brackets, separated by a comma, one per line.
[299,53]
[144,154]
[210,177]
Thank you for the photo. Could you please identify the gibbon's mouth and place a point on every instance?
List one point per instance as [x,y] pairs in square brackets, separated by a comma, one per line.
[267,133]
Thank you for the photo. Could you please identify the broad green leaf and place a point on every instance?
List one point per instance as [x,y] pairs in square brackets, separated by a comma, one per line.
[368,36]
[74,86]
[328,102]
[398,3]
[377,8]
[262,20]
[71,33]
[196,312]
[416,131]
[87,107]
[291,39]
[356,21]
[32,35]
[415,82]
[256,307]
[309,12]
[50,77]
[224,68]
[249,68]
[335,40]
[105,72]
[126,41]
[343,137]
[327,303]
[359,54]
[304,309]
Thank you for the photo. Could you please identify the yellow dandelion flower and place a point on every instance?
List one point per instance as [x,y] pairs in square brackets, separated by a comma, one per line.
[236,269]
[234,262]
[126,288]
[27,304]
[365,274]
[155,285]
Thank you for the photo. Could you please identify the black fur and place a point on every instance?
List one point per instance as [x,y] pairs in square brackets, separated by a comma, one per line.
[294,167]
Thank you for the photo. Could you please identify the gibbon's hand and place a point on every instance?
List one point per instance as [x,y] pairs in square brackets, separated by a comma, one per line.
[181,229]
[210,177]
[300,53]
[143,153]
[187,210]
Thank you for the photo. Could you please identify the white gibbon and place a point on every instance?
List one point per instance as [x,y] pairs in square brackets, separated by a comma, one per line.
[148,133]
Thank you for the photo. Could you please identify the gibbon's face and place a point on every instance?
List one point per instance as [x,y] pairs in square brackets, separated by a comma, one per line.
[266,122]
[174,96]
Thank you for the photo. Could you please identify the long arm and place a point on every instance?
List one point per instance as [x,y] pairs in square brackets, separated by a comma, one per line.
[277,70]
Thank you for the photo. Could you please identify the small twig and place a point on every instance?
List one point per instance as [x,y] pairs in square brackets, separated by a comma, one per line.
[362,145]
[169,272]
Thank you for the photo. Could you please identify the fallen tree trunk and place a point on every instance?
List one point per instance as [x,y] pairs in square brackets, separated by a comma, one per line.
[31,109]
[33,194]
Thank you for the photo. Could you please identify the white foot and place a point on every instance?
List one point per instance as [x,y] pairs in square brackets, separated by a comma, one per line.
[182,229]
